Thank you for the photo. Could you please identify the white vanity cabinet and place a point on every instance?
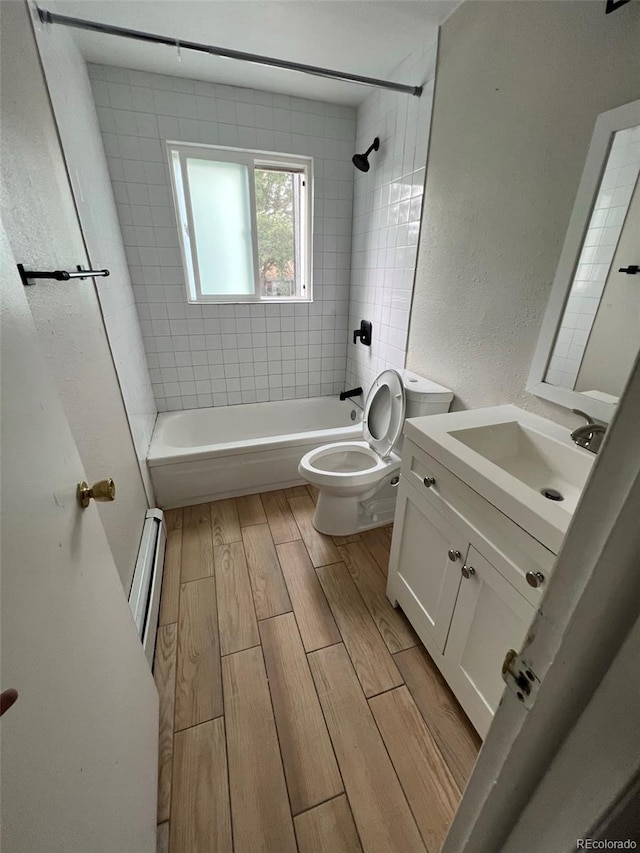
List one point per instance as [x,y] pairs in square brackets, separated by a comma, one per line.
[458,570]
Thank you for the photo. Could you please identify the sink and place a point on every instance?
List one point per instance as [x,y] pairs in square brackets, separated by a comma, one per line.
[524,465]
[558,472]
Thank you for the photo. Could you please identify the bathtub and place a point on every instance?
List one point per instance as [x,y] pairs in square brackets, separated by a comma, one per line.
[203,455]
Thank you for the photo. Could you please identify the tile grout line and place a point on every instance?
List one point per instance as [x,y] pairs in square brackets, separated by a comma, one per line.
[275,725]
[223,715]
[306,654]
[369,609]
[175,686]
[340,632]
[246,649]
[271,697]
[306,657]
[366,698]
[321,803]
[402,788]
[264,663]
[346,793]
[201,723]
[429,729]
[375,562]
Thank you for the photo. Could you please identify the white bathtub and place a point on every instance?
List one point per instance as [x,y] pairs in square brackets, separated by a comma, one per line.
[203,455]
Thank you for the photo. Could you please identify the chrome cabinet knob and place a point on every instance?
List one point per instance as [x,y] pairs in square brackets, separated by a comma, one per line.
[535,579]
[429,481]
[454,555]
[468,571]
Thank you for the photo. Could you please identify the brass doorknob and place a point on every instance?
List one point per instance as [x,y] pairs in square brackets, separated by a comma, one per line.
[103,490]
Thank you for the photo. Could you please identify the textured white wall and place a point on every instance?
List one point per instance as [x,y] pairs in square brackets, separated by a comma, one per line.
[41,223]
[217,355]
[519,87]
[72,99]
[386,217]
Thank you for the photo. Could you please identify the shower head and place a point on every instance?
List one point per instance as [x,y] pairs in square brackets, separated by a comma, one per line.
[361,161]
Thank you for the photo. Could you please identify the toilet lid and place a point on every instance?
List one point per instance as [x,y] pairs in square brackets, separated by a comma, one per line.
[384,412]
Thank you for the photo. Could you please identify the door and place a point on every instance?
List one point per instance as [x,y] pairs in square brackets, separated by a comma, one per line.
[44,233]
[79,748]
[426,566]
[490,617]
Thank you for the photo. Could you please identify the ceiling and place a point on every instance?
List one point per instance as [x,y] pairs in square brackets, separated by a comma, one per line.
[368,37]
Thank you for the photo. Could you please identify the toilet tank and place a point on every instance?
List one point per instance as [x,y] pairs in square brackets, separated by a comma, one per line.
[424,397]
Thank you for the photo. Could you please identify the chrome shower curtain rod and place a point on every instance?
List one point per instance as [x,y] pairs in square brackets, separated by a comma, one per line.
[81,24]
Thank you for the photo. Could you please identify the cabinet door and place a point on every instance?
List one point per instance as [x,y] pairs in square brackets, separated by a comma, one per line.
[422,577]
[490,617]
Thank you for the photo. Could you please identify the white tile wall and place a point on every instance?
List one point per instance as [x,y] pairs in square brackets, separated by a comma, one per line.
[204,355]
[386,217]
[600,242]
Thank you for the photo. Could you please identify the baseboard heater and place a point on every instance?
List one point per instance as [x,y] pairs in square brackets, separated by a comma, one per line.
[144,599]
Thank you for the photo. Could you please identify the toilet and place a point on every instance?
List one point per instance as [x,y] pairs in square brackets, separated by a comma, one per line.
[356,479]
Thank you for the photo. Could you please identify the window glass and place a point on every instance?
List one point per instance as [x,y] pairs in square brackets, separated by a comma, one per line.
[244,221]
[222,226]
[276,204]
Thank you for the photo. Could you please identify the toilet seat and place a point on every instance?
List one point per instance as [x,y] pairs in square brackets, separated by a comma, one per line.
[359,464]
[384,412]
[354,463]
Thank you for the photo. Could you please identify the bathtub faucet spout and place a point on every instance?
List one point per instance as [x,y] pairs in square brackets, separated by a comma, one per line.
[354,392]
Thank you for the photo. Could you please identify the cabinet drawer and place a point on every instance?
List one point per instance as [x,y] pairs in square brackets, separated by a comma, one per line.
[510,548]
[429,477]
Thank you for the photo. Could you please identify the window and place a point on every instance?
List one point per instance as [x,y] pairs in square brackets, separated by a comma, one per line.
[244,219]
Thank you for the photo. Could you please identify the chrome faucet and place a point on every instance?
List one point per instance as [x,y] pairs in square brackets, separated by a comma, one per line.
[588,435]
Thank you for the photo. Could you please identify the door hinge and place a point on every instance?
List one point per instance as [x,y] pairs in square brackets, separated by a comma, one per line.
[520,678]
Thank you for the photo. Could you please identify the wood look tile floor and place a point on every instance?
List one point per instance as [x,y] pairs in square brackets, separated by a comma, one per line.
[298,711]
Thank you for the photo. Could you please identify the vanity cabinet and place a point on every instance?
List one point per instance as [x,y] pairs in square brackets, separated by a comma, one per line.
[458,570]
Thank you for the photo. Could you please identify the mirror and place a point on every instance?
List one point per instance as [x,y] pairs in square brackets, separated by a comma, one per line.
[591,332]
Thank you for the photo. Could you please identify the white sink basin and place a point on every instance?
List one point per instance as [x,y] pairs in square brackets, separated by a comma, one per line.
[556,471]
[524,465]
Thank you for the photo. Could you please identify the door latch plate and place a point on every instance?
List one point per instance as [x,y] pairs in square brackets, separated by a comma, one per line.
[520,678]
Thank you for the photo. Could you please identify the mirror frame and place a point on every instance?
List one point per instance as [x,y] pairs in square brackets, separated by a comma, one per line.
[607,124]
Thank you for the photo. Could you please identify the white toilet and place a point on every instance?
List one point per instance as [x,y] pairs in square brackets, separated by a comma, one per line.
[356,479]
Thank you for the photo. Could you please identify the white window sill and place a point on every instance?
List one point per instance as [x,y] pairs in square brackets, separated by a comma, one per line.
[239,301]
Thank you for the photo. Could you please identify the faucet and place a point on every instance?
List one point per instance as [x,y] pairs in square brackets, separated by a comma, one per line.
[355,392]
[588,435]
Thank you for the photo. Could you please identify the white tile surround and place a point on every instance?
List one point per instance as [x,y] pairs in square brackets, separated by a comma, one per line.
[600,243]
[204,355]
[387,211]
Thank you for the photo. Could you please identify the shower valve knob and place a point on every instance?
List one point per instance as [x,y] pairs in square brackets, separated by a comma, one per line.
[363,333]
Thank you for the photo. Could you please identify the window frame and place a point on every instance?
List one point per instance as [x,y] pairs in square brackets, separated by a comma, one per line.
[253,159]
